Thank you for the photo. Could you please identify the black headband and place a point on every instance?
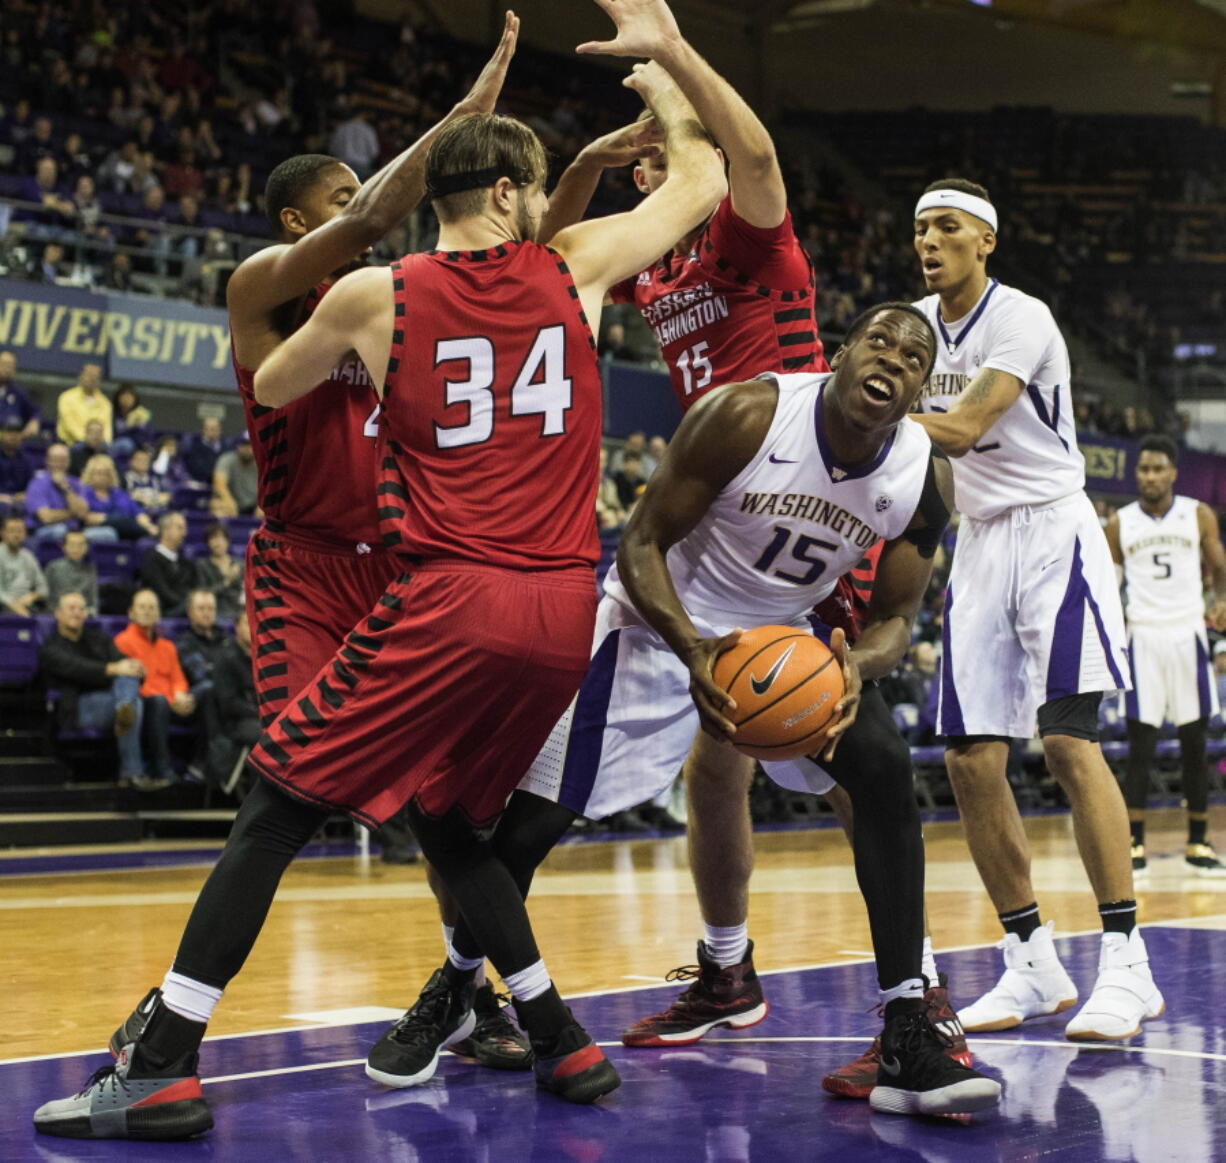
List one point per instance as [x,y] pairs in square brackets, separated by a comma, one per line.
[441,187]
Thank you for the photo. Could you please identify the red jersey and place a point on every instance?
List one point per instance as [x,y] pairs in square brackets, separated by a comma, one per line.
[741,302]
[317,456]
[847,607]
[492,411]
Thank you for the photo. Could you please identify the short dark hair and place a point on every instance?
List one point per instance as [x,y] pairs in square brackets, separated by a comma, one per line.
[861,321]
[212,529]
[962,184]
[1163,444]
[14,517]
[290,180]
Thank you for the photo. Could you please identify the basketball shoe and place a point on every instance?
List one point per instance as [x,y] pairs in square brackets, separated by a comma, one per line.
[729,997]
[1140,862]
[1124,994]
[408,1052]
[1201,860]
[572,1066]
[917,1076]
[494,1042]
[135,1022]
[140,1096]
[1033,985]
[857,1078]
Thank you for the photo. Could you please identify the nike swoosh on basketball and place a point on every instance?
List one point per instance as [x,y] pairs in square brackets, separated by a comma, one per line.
[777,460]
[762,685]
[891,1066]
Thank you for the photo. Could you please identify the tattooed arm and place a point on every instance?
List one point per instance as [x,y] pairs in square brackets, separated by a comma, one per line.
[986,399]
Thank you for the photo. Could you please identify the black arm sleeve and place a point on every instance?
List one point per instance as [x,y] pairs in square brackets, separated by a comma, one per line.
[932,510]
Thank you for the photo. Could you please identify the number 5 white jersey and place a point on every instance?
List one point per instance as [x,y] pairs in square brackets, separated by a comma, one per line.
[781,533]
[1162,569]
[1030,455]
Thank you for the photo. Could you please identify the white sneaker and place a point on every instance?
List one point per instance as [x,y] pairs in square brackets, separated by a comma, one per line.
[1033,985]
[1124,995]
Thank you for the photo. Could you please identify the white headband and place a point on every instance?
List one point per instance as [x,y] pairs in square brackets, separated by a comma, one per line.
[981,208]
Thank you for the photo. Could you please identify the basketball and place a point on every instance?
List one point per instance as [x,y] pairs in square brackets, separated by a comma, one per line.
[786,684]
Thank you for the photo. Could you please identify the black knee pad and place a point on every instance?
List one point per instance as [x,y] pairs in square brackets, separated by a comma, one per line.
[1073,715]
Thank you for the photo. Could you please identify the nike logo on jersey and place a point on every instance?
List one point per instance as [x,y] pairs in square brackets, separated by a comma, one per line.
[891,1066]
[779,460]
[762,685]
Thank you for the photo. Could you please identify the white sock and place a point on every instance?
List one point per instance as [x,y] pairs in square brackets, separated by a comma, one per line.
[188,998]
[910,987]
[459,962]
[528,983]
[464,964]
[727,945]
[929,964]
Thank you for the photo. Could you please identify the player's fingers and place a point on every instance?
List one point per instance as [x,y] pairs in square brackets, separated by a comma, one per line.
[716,696]
[599,46]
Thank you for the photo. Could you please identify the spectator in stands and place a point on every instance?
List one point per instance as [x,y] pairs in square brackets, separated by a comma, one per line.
[57,212]
[22,585]
[102,492]
[118,274]
[15,471]
[73,573]
[202,454]
[55,503]
[636,443]
[236,481]
[93,235]
[355,142]
[15,401]
[656,448]
[144,486]
[163,690]
[167,465]
[200,647]
[82,403]
[115,173]
[630,479]
[93,445]
[51,264]
[98,687]
[131,419]
[221,572]
[165,569]
[151,237]
[609,511]
[234,687]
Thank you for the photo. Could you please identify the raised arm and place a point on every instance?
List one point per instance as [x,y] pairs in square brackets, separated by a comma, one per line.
[647,28]
[568,202]
[717,438]
[606,250]
[279,274]
[1213,553]
[355,315]
[986,399]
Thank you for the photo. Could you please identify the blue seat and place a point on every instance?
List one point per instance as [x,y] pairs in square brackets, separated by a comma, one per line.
[18,650]
[116,559]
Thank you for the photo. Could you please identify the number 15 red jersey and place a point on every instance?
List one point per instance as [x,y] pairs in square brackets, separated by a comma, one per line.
[492,411]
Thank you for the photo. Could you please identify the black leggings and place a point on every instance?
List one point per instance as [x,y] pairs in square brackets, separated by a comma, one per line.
[1143,746]
[873,764]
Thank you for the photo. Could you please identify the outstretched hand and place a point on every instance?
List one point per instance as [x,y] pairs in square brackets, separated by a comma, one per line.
[645,28]
[849,704]
[483,96]
[713,702]
[639,139]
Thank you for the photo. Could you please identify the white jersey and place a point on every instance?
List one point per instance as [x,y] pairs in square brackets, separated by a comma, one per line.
[781,533]
[1162,567]
[1030,455]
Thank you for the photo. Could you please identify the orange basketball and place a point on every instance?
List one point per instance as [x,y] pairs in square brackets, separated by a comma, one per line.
[786,684]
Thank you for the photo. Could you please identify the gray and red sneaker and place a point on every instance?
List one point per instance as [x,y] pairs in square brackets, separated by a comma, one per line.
[129,1100]
[729,997]
[856,1079]
[573,1067]
[134,1023]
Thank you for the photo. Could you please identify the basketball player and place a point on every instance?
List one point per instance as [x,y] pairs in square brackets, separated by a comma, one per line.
[1161,542]
[1033,629]
[440,697]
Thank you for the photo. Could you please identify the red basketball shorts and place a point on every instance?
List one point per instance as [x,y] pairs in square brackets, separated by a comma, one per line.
[442,695]
[301,602]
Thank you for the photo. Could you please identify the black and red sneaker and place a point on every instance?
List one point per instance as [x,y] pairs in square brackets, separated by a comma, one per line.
[856,1079]
[729,997]
[495,1042]
[573,1067]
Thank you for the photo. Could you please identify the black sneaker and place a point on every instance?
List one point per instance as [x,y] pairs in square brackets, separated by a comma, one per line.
[494,1042]
[135,1023]
[916,1076]
[408,1053]
[573,1067]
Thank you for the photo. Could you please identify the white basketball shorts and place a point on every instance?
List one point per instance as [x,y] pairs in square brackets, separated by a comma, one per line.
[624,738]
[1172,675]
[1032,614]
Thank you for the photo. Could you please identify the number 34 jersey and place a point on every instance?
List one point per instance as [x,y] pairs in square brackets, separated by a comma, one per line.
[492,411]
[781,533]
[1162,567]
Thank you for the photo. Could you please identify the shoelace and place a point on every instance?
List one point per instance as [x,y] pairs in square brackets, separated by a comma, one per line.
[684,973]
[97,1078]
[917,1033]
[428,1010]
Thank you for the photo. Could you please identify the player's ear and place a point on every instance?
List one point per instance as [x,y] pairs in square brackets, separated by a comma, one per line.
[837,358]
[293,221]
[987,243]
[502,194]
